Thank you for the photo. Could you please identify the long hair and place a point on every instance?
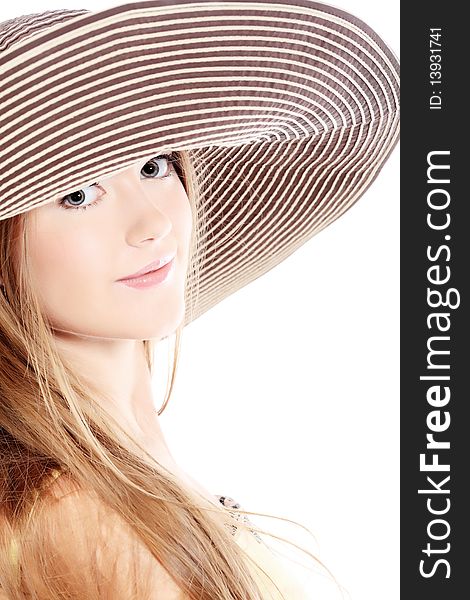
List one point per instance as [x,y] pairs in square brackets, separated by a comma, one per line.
[51,422]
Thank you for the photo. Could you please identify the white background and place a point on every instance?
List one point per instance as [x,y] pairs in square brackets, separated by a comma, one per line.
[287,396]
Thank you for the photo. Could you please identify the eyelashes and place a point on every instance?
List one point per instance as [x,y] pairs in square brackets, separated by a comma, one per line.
[80,195]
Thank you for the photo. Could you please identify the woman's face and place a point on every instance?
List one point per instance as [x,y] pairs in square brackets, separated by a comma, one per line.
[77,254]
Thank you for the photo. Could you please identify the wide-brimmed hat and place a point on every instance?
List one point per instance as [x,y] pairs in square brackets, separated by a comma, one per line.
[287,108]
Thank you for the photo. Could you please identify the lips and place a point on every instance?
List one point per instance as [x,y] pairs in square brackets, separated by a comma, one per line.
[153,266]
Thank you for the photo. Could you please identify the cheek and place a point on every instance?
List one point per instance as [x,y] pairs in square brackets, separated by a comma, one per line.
[183,221]
[64,269]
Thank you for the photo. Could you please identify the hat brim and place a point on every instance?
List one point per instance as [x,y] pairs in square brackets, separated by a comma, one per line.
[288,109]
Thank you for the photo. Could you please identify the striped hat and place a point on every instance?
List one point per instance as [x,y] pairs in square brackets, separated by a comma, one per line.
[287,108]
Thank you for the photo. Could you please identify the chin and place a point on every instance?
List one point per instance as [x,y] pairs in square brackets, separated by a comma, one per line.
[165,330]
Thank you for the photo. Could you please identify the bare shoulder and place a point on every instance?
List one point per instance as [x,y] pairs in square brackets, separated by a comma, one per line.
[93,546]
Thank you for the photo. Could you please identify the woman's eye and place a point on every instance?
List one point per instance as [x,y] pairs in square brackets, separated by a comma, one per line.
[76,198]
[159,167]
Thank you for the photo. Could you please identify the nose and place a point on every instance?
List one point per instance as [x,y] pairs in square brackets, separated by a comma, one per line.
[139,203]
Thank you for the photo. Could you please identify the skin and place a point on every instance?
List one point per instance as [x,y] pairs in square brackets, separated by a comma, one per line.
[99,324]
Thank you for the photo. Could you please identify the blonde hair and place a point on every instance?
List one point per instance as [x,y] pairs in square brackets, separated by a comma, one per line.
[51,423]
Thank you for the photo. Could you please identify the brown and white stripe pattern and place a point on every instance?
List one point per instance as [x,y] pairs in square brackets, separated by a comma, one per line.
[289,109]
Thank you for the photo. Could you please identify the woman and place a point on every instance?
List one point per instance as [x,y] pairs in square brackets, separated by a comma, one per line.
[148,156]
